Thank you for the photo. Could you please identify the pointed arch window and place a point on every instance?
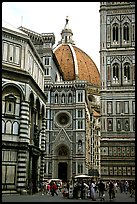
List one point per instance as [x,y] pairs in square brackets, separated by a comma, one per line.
[8,127]
[126,32]
[115,72]
[56,98]
[126,72]
[115,32]
[70,98]
[15,128]
[63,98]
[80,146]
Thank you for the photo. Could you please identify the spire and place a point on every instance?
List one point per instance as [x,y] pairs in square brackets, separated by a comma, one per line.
[66,34]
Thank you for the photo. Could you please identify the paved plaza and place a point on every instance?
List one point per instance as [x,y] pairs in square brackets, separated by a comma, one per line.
[120,197]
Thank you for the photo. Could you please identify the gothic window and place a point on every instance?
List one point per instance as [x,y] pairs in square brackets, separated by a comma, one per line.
[8,127]
[15,128]
[126,32]
[126,125]
[115,32]
[63,98]
[10,101]
[126,72]
[118,125]
[110,127]
[109,106]
[70,98]
[56,98]
[115,73]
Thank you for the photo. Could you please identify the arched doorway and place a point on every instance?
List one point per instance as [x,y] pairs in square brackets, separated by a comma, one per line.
[62,171]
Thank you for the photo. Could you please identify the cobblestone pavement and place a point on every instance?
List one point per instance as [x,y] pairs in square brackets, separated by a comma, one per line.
[120,197]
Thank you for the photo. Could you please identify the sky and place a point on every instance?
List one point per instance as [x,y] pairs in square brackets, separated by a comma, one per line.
[49,17]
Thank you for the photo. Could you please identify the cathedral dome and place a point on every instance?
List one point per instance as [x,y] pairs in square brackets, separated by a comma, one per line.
[74,62]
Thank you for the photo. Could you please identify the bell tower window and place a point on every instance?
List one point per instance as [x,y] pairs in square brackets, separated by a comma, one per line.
[115,32]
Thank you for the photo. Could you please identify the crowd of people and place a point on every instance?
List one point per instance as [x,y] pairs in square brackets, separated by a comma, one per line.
[84,188]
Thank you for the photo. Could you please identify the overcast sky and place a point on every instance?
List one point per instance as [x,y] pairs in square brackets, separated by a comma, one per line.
[44,17]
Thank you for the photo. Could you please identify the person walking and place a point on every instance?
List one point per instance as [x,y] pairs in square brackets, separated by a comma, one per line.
[111,190]
[101,188]
[53,188]
[93,192]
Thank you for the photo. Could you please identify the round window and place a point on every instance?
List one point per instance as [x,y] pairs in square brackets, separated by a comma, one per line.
[63,119]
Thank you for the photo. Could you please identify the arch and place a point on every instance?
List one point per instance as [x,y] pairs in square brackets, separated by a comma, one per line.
[62,150]
[31,99]
[17,88]
[63,98]
[115,72]
[43,110]
[56,97]
[15,128]
[126,32]
[70,98]
[127,69]
[37,104]
[8,127]
[115,32]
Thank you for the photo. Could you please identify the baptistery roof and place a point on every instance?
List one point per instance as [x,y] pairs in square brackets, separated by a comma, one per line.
[74,62]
